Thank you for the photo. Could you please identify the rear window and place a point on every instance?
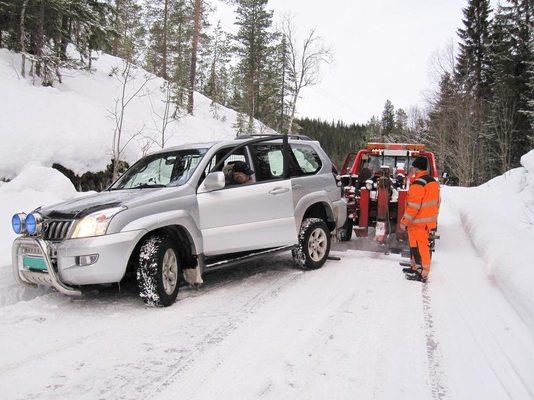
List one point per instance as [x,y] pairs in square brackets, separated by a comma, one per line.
[307,158]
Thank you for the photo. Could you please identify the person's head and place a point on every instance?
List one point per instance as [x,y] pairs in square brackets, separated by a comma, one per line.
[242,173]
[420,164]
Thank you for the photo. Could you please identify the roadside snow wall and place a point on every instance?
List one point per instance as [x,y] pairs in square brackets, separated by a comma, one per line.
[499,217]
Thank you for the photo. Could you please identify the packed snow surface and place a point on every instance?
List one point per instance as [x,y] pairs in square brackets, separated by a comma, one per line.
[355,329]
[72,123]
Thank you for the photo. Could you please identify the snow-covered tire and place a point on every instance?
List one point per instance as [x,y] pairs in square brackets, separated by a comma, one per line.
[314,244]
[158,271]
[345,233]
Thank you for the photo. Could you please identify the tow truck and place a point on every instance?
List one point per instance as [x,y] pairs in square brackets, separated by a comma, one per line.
[375,183]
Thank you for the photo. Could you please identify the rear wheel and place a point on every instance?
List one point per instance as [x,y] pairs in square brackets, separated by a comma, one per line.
[158,271]
[314,244]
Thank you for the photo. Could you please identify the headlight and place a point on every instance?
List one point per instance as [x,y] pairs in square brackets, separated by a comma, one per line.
[17,222]
[95,224]
[33,223]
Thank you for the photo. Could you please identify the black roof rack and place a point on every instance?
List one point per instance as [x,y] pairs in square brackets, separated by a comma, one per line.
[274,136]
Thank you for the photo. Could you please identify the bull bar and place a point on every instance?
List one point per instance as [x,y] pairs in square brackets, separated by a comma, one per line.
[31,278]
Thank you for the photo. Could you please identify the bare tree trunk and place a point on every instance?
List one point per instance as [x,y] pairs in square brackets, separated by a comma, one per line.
[23,37]
[165,28]
[193,70]
[283,92]
[293,112]
[40,38]
[65,27]
[116,40]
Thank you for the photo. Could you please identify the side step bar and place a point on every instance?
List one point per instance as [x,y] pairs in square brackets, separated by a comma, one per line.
[249,257]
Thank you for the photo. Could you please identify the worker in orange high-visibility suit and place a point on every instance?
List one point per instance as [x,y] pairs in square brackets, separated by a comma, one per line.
[420,218]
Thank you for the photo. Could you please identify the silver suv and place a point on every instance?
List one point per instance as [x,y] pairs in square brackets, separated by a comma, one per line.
[186,209]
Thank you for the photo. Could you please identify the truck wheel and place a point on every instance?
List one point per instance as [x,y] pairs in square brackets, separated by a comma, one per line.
[345,233]
[314,244]
[158,271]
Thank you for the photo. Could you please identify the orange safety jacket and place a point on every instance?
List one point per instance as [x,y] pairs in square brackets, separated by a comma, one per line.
[422,205]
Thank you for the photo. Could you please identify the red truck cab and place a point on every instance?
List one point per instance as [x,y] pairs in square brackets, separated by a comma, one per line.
[396,155]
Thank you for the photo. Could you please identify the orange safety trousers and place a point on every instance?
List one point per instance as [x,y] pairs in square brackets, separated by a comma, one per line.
[419,246]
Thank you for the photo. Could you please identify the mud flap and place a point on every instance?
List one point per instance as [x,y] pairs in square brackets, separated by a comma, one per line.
[193,276]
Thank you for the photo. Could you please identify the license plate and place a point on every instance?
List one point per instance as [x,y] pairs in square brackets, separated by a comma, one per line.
[36,263]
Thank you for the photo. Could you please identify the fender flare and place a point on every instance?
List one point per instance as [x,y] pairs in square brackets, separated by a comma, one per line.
[320,197]
[179,218]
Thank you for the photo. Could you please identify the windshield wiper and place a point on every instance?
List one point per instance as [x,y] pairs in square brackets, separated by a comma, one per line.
[148,186]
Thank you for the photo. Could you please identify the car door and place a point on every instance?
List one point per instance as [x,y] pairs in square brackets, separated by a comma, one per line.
[254,216]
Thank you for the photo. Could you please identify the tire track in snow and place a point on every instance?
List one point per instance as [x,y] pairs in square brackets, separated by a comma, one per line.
[435,371]
[162,365]
[216,337]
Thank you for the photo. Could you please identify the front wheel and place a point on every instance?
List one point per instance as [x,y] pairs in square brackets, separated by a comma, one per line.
[314,244]
[158,271]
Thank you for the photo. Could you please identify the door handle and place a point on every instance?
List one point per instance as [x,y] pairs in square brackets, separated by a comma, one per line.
[278,190]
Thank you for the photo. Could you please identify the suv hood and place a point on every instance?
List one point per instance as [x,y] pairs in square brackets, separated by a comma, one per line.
[80,207]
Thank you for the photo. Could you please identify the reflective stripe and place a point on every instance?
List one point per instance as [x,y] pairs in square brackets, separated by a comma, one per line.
[417,206]
[430,203]
[427,219]
[421,180]
[408,217]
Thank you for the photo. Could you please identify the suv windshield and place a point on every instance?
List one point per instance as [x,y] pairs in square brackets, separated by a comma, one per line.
[161,170]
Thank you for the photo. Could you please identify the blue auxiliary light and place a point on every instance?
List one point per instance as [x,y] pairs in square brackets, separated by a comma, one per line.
[18,223]
[31,224]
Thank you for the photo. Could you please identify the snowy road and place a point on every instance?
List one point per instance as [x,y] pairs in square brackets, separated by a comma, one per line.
[355,329]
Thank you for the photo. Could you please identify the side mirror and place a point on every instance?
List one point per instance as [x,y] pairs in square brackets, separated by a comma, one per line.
[214,181]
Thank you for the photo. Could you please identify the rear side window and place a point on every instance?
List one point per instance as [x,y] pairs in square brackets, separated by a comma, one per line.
[269,162]
[307,159]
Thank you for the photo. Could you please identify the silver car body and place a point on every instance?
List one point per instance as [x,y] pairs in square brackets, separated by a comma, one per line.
[256,216]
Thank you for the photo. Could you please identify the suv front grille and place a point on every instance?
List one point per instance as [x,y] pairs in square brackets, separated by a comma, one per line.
[56,230]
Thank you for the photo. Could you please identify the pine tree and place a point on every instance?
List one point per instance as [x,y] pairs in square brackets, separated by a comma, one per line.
[254,44]
[401,125]
[473,63]
[217,56]
[511,54]
[388,121]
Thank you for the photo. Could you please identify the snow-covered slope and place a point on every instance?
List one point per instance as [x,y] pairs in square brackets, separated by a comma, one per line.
[499,217]
[72,123]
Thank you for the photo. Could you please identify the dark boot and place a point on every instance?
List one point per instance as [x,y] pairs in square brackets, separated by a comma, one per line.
[416,276]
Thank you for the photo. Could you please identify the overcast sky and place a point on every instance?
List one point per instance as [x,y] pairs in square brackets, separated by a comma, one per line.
[382,50]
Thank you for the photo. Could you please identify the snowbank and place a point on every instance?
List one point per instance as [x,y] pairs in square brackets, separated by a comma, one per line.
[33,187]
[72,123]
[499,216]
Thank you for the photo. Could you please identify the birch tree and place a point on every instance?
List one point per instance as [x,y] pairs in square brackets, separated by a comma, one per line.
[304,64]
